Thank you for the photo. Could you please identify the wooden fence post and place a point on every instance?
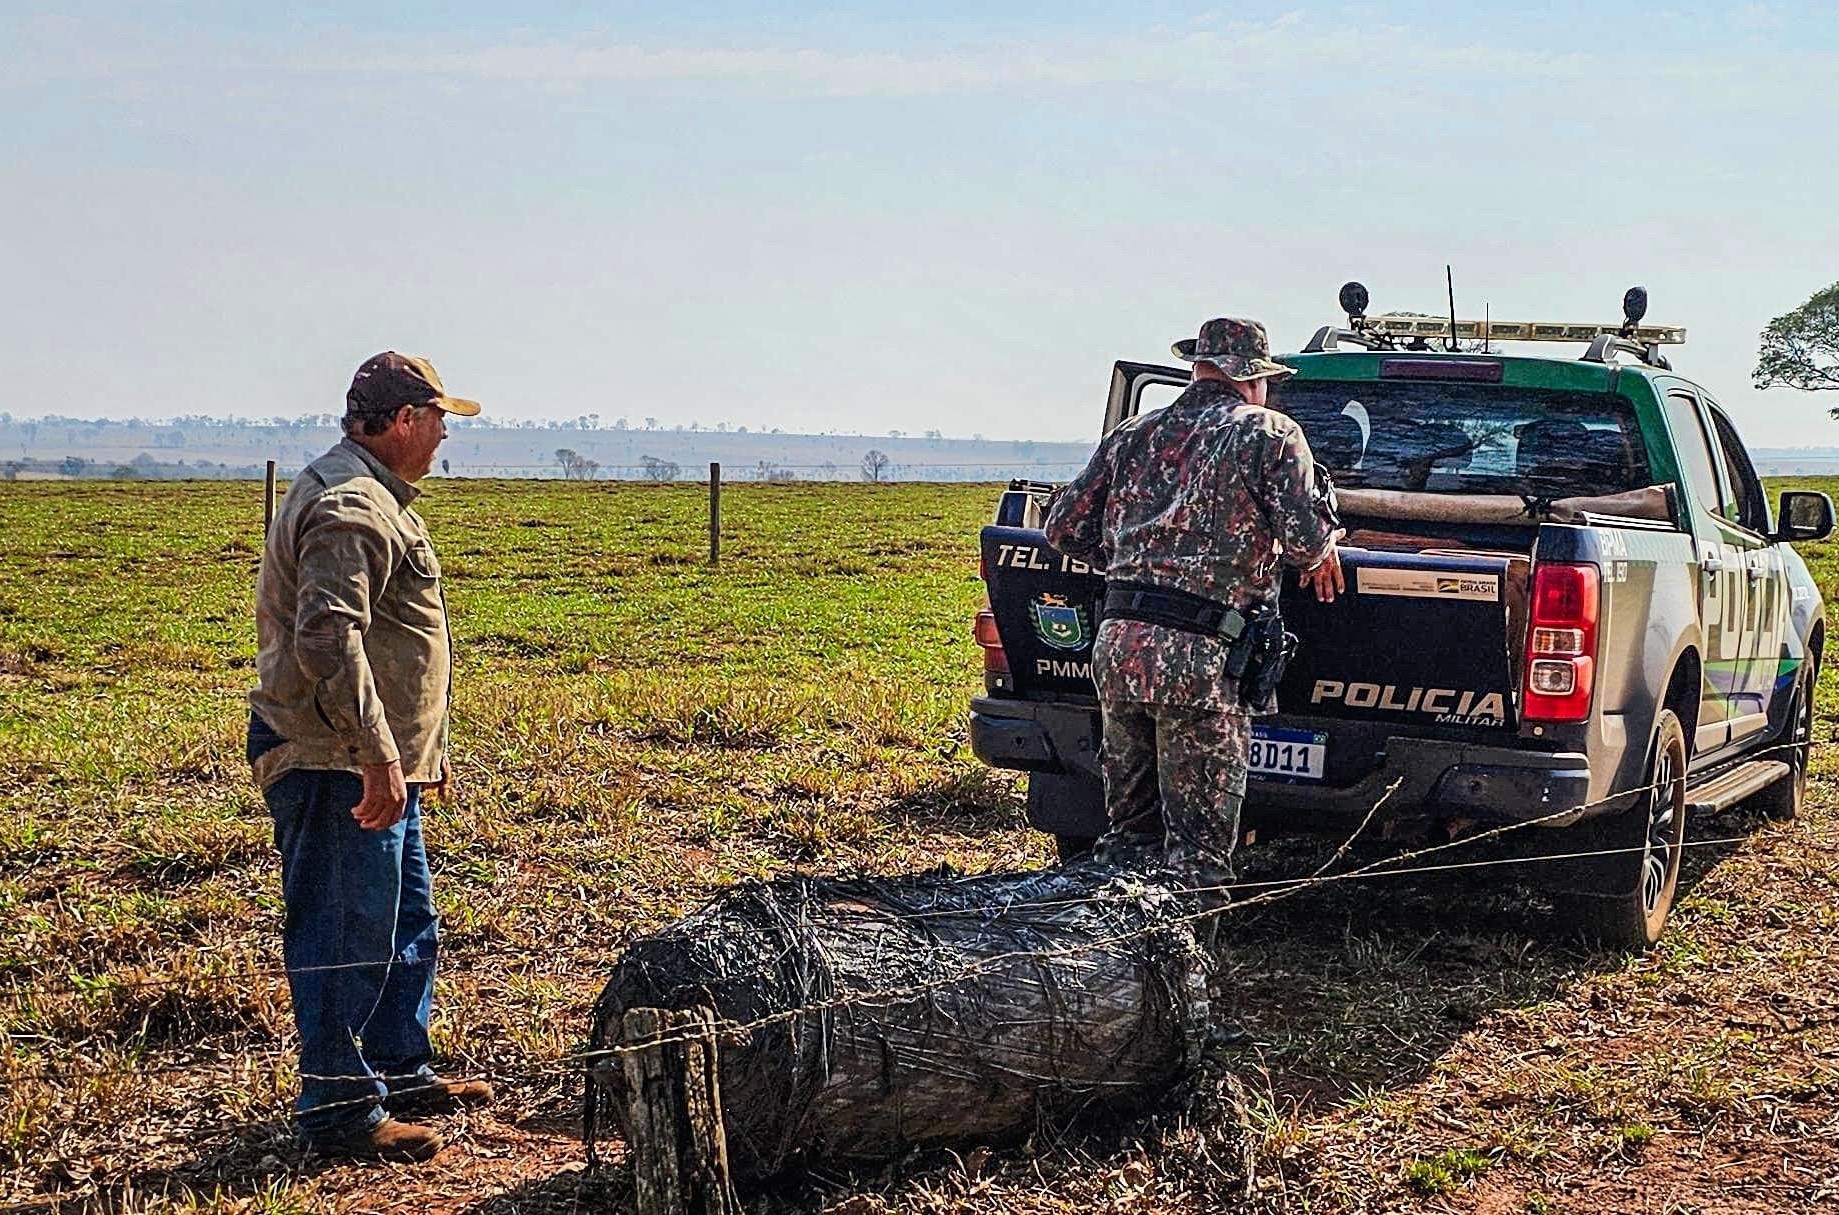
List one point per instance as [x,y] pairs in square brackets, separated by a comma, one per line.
[674,1113]
[715,514]
[268,499]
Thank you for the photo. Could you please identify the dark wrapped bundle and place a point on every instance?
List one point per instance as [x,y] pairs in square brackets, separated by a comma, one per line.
[922,1010]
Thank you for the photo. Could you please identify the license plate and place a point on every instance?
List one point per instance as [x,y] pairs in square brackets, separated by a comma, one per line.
[1288,755]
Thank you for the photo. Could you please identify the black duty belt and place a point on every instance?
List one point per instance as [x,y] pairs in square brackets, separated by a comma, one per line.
[1172,609]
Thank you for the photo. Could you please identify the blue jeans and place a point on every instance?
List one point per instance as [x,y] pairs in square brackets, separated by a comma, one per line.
[359,904]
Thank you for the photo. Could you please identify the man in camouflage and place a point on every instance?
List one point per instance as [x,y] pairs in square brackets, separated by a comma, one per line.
[1203,501]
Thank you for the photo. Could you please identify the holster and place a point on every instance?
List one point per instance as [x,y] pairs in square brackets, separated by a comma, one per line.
[1260,656]
[1258,647]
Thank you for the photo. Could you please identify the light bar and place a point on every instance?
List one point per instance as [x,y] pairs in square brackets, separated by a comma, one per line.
[1517,331]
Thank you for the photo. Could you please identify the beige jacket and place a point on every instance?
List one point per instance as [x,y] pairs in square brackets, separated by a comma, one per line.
[354,658]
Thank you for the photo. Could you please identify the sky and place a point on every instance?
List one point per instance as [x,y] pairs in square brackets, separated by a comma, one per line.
[860,218]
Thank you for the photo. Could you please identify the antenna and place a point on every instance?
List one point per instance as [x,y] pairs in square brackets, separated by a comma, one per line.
[1449,277]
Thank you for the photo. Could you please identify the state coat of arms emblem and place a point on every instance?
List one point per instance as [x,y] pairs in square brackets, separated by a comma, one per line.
[1060,624]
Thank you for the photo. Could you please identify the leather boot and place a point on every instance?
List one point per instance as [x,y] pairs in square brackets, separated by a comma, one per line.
[435,1095]
[386,1140]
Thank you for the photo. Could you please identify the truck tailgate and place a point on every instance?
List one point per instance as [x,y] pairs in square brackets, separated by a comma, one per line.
[1423,643]
[1420,639]
[1046,607]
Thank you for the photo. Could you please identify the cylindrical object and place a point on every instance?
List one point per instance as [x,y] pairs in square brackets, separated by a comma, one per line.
[889,1013]
[715,513]
[268,498]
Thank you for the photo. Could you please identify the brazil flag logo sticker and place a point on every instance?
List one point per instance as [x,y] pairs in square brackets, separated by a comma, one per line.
[1060,624]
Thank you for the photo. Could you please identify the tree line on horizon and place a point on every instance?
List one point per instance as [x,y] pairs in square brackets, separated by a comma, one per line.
[330,421]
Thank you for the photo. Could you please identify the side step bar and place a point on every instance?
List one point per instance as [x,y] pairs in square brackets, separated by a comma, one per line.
[1725,791]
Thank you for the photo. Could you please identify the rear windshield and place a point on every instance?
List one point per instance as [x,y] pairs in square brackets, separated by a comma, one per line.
[1469,438]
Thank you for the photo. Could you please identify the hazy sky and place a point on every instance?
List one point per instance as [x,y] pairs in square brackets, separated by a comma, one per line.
[865,217]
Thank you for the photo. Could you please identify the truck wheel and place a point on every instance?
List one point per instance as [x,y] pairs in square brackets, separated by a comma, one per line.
[1074,847]
[1629,909]
[1782,800]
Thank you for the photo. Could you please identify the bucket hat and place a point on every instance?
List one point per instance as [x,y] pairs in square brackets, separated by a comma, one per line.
[1236,345]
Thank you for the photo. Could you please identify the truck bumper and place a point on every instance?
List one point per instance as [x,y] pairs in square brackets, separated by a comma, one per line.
[1436,778]
[1447,780]
[1057,745]
[1035,736]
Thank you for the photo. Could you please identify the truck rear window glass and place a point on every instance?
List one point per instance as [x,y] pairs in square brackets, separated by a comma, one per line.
[1469,438]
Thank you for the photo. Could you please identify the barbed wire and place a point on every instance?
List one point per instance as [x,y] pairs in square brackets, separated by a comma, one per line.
[773,465]
[1273,891]
[731,1031]
[768,474]
[95,984]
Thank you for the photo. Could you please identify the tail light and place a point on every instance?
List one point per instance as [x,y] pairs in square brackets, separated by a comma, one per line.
[995,661]
[1561,642]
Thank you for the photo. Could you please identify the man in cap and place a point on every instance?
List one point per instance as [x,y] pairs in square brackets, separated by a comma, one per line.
[347,727]
[1190,510]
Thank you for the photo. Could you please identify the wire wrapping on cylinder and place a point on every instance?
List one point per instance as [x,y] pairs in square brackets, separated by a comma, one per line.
[1043,1034]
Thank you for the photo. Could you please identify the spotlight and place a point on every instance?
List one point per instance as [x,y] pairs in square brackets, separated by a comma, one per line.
[1634,307]
[1354,300]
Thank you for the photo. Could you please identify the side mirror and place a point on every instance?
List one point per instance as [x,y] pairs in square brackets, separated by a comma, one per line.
[1805,515]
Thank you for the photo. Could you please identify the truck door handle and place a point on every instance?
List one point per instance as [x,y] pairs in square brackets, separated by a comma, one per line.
[1710,563]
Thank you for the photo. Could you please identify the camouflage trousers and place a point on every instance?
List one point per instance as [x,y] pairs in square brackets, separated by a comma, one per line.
[1176,774]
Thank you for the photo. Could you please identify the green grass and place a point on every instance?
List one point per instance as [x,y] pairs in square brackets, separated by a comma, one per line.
[1446,1171]
[635,730]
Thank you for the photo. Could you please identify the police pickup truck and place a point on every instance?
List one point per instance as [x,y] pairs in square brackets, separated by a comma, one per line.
[1568,606]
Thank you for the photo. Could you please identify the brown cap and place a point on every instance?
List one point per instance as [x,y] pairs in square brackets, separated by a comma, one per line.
[388,381]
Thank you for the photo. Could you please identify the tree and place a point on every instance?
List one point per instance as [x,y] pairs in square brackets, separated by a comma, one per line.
[576,467]
[874,464]
[1800,349]
[660,470]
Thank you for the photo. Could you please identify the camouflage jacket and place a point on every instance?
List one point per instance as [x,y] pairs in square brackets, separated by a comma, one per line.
[353,653]
[1210,496]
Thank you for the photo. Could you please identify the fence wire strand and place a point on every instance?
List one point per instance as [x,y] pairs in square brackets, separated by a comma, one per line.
[1405,864]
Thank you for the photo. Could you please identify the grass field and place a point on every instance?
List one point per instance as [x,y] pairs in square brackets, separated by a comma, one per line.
[635,730]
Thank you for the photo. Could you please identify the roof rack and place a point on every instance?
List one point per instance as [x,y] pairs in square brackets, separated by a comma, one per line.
[1606,340]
